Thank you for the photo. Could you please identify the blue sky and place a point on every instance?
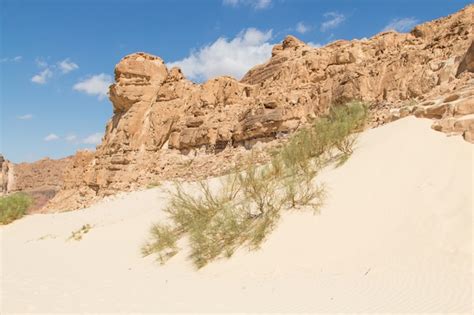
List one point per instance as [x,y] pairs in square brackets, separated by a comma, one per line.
[57,56]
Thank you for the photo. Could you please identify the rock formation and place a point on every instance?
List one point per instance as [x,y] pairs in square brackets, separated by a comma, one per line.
[452,111]
[451,105]
[6,175]
[165,126]
[467,63]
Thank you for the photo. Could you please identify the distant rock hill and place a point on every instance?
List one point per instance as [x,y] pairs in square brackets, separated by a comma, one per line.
[165,126]
[41,179]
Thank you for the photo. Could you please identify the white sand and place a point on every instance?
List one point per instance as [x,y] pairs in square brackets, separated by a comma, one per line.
[395,235]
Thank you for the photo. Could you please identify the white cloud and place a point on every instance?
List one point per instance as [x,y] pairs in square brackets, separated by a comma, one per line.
[67,66]
[25,117]
[315,45]
[401,24]
[228,57]
[333,20]
[256,4]
[302,28]
[41,63]
[51,137]
[231,2]
[71,138]
[95,85]
[95,138]
[42,77]
[262,4]
[14,59]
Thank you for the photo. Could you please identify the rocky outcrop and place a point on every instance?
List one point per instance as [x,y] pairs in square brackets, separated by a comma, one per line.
[450,106]
[453,114]
[467,63]
[165,126]
[6,175]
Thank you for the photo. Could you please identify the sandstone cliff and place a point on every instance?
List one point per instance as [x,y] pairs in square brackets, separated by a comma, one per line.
[165,126]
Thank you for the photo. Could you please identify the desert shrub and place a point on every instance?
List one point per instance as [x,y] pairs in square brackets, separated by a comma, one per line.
[164,239]
[299,190]
[13,207]
[78,234]
[345,122]
[153,185]
[247,206]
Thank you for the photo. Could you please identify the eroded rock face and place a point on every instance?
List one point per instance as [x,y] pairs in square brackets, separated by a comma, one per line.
[467,63]
[137,78]
[165,126]
[6,175]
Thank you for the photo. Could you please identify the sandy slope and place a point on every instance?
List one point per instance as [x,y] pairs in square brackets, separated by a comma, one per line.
[394,236]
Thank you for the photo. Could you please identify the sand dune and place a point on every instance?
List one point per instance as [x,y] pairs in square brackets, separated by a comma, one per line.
[395,235]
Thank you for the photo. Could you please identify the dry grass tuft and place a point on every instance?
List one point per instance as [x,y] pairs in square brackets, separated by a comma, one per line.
[77,235]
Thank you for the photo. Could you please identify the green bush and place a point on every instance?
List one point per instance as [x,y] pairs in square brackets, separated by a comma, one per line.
[13,207]
[248,203]
[345,121]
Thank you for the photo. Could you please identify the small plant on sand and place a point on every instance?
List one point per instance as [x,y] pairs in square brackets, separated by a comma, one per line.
[153,185]
[247,205]
[77,235]
[13,207]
